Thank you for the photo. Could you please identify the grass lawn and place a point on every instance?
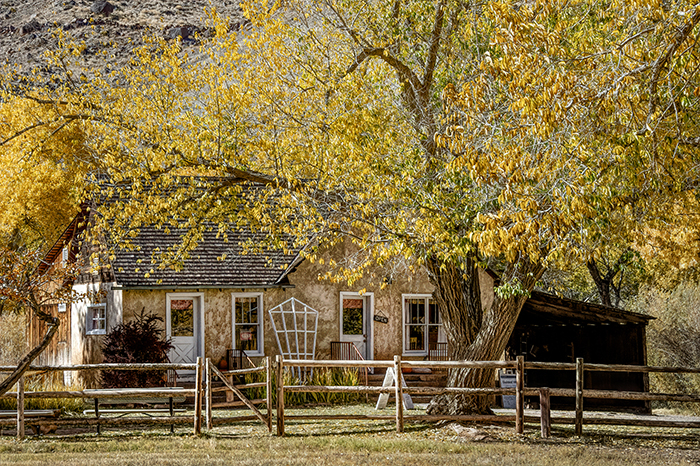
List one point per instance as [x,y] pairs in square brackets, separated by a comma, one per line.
[358,442]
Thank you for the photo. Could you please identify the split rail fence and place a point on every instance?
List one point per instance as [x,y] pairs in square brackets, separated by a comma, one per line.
[205,371]
[520,391]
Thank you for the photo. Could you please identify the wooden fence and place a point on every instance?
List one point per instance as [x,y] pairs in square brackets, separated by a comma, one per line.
[203,392]
[520,391]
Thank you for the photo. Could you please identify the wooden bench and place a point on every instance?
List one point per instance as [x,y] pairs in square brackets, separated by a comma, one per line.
[36,414]
[123,396]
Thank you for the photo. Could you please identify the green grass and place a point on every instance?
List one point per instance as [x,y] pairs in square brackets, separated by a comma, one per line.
[342,443]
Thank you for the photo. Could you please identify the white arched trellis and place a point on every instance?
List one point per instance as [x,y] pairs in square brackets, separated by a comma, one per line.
[295,324]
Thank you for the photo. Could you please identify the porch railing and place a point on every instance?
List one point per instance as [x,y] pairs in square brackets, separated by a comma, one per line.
[347,351]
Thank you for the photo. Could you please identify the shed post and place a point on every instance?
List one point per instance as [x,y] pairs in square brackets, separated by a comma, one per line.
[520,395]
[578,427]
[545,415]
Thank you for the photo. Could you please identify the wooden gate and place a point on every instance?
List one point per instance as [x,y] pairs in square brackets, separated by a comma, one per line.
[235,390]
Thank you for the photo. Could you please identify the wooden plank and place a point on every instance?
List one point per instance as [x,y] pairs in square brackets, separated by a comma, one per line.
[280,395]
[20,408]
[237,404]
[545,415]
[377,417]
[387,383]
[388,387]
[619,395]
[432,391]
[241,396]
[519,395]
[268,392]
[198,398]
[105,366]
[239,386]
[208,395]
[461,364]
[341,389]
[331,363]
[252,370]
[219,421]
[106,421]
[578,426]
[494,418]
[145,393]
[399,394]
[134,411]
[30,413]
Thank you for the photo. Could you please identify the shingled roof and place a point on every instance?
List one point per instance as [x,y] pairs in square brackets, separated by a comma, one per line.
[215,262]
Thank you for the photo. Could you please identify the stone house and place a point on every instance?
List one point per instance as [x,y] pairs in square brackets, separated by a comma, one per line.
[223,301]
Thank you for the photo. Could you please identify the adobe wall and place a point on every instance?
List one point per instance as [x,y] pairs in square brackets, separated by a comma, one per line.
[322,295]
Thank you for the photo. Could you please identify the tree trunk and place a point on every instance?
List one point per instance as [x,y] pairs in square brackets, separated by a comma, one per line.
[23,365]
[602,283]
[473,334]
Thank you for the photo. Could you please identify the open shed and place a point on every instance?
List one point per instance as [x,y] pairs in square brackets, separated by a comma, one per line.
[553,329]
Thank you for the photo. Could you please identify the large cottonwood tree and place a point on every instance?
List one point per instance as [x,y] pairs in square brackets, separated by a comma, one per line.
[444,132]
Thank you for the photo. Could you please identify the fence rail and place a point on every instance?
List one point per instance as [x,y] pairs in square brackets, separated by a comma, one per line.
[205,371]
[520,391]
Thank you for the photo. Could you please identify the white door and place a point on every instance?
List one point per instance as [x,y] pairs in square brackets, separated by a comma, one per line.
[184,328]
[356,321]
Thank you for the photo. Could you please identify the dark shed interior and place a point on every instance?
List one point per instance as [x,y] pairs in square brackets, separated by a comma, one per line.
[553,329]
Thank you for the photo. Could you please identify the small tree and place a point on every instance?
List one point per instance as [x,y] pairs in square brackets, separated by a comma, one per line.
[136,341]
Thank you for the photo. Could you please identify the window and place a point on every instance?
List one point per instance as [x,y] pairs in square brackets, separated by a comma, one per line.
[62,307]
[247,323]
[64,256]
[422,324]
[96,323]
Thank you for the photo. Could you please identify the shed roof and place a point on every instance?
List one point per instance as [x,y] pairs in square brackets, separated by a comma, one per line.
[546,309]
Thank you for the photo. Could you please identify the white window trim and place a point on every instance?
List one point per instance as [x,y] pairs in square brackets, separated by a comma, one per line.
[404,297]
[261,327]
[88,320]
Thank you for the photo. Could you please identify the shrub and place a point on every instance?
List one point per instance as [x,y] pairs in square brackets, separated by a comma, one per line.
[136,341]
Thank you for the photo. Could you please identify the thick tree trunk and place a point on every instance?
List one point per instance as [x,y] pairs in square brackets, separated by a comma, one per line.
[473,334]
[23,365]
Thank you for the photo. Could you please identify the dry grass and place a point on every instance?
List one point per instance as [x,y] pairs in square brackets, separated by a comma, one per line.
[358,442]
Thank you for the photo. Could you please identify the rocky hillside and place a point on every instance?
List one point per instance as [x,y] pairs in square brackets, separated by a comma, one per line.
[27,28]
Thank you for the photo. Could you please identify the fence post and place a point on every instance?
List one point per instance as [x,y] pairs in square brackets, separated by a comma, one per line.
[520,395]
[208,401]
[20,408]
[268,392]
[198,397]
[578,428]
[545,416]
[398,378]
[280,396]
